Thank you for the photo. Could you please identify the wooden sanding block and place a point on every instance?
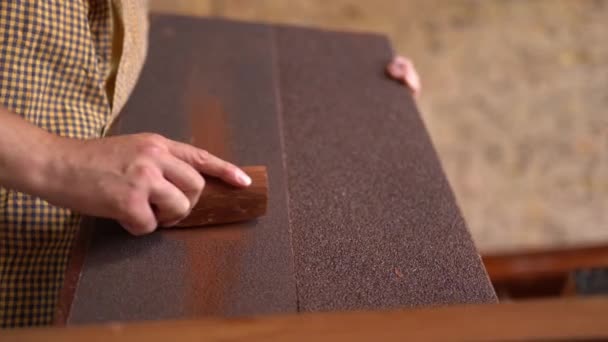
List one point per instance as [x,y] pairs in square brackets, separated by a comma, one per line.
[223,203]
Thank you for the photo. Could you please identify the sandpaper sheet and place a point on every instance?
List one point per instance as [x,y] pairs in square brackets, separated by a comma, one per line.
[360,213]
[197,87]
[374,221]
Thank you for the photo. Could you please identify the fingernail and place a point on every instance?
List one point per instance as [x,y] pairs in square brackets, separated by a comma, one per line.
[243,178]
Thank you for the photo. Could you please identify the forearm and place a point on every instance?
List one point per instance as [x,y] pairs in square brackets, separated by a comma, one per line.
[141,180]
[24,153]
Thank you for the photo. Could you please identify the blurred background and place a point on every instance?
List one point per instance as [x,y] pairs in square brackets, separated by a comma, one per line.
[515,96]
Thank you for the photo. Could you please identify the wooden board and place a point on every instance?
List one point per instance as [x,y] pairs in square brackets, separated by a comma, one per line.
[544,263]
[564,320]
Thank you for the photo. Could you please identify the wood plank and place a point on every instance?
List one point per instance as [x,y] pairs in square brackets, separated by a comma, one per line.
[375,223]
[221,203]
[563,320]
[197,87]
[544,263]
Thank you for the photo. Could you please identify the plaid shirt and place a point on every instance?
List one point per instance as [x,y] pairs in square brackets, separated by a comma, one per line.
[55,58]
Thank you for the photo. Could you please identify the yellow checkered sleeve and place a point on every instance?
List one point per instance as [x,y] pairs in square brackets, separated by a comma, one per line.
[54,61]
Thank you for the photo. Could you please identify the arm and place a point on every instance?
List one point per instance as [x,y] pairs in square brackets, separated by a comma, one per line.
[141,180]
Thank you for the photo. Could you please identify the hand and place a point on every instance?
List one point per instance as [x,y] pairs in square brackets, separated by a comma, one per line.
[402,69]
[141,180]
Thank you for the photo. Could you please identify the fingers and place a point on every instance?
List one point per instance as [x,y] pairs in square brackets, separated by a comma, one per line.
[184,177]
[163,182]
[412,79]
[170,203]
[164,195]
[209,164]
[139,219]
[402,69]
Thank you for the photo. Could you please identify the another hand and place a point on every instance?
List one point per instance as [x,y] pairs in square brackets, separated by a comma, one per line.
[141,180]
[402,69]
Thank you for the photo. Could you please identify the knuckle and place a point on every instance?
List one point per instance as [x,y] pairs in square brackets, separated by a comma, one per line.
[185,207]
[151,143]
[181,209]
[195,193]
[150,152]
[138,224]
[202,157]
[153,139]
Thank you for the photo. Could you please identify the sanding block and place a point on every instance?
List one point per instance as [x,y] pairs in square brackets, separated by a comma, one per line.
[223,203]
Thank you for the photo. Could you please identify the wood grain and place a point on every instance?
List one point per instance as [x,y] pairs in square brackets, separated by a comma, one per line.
[221,203]
[575,319]
[531,264]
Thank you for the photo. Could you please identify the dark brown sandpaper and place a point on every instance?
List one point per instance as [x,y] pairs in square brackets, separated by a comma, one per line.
[197,86]
[372,222]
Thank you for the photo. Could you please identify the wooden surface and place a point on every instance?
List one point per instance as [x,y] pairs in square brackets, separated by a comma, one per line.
[541,273]
[564,320]
[533,264]
[221,203]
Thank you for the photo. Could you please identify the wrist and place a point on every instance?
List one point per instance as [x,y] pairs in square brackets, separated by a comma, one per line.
[27,153]
[45,166]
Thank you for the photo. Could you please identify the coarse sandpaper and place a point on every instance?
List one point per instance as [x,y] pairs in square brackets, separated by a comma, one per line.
[360,213]
[196,87]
